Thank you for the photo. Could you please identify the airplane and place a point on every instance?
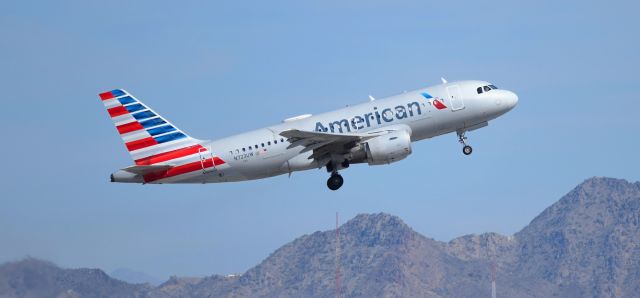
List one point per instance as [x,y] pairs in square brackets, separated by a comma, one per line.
[376,132]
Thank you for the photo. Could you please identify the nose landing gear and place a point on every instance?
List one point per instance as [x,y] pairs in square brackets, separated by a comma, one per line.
[467,150]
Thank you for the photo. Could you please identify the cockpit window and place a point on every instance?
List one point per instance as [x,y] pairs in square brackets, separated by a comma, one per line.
[486,88]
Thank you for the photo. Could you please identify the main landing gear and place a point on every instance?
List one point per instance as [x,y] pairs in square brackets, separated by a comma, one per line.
[462,138]
[335,181]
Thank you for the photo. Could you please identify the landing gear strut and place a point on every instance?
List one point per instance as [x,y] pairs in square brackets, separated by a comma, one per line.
[462,139]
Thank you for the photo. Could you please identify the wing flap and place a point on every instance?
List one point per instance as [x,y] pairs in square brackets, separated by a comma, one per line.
[295,135]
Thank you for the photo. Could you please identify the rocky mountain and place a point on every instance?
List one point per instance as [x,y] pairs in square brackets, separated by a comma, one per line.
[585,245]
[37,278]
[134,277]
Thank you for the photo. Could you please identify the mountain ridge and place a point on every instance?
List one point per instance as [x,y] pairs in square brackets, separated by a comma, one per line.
[585,244]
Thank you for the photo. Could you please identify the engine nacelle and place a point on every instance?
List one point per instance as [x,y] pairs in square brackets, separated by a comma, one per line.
[388,148]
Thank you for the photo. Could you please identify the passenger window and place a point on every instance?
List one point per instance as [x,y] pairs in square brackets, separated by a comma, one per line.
[479,90]
[493,87]
[275,142]
[250,147]
[243,150]
[281,140]
[269,143]
[486,88]
[237,150]
[262,145]
[256,146]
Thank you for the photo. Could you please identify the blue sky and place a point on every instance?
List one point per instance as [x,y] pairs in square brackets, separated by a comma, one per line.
[216,69]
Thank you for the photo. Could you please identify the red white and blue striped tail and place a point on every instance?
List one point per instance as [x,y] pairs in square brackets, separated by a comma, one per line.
[149,138]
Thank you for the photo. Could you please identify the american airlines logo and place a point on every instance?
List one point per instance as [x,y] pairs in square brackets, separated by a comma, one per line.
[438,104]
[366,120]
[386,115]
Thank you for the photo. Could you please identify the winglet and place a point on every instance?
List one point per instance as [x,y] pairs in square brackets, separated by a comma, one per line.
[444,81]
[371,98]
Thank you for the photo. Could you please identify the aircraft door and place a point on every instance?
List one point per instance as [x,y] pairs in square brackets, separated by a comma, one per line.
[206,160]
[455,97]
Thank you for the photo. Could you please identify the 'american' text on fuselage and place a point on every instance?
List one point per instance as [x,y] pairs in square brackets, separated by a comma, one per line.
[360,122]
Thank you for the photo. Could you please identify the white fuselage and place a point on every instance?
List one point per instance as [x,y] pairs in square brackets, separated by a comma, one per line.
[264,153]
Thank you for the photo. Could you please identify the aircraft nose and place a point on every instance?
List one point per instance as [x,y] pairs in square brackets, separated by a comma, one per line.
[504,100]
[510,99]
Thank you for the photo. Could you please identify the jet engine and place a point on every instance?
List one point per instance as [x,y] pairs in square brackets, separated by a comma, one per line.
[388,148]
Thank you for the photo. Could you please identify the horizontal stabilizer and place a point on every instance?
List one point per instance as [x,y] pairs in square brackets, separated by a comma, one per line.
[143,170]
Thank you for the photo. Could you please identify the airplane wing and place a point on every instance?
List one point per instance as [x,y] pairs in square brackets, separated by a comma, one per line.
[325,144]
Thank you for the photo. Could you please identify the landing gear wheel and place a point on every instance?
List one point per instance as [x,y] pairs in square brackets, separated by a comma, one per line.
[462,139]
[467,150]
[335,181]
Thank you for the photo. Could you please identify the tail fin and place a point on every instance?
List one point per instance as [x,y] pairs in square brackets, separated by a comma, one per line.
[145,133]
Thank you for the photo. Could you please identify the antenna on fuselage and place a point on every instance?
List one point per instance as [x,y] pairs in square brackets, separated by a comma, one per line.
[371,98]
[444,81]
